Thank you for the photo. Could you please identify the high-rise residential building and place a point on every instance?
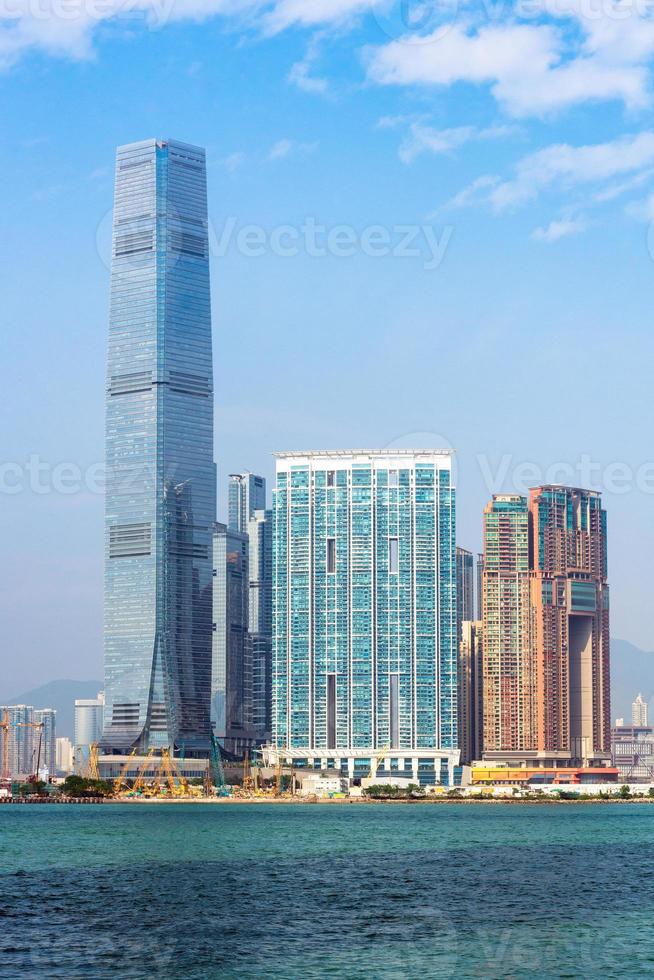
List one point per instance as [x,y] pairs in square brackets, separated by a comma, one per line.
[546,628]
[259,530]
[19,734]
[471,702]
[570,624]
[508,675]
[161,493]
[231,699]
[465,591]
[364,613]
[639,712]
[45,737]
[246,494]
[479,588]
[64,756]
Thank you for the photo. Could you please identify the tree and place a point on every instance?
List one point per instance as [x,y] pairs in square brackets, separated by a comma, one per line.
[78,786]
[624,792]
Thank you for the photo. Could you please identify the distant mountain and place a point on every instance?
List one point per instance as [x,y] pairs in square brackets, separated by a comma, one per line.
[60,695]
[632,671]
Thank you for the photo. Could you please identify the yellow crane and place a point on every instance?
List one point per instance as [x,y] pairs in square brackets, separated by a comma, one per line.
[173,779]
[143,768]
[120,779]
[248,781]
[94,755]
[377,761]
[4,729]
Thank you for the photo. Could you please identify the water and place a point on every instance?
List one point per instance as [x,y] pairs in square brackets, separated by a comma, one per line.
[260,890]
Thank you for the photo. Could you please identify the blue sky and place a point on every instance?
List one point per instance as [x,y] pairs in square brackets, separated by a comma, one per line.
[520,136]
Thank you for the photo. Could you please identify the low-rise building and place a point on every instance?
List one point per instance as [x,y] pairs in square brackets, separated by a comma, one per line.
[632,752]
[531,777]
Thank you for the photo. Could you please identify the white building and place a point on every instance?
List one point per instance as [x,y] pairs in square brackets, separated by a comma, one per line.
[64,756]
[639,712]
[89,720]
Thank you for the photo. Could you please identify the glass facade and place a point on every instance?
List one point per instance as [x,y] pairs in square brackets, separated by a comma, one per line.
[161,494]
[260,619]
[246,494]
[364,603]
[231,687]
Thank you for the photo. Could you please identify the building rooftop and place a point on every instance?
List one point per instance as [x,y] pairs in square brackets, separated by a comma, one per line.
[339,453]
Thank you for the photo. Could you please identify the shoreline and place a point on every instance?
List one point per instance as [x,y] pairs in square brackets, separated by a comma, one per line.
[352,801]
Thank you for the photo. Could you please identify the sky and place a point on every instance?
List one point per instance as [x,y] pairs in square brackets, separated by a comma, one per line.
[430,227]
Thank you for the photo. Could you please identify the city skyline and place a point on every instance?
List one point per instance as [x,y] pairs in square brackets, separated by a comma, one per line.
[350,150]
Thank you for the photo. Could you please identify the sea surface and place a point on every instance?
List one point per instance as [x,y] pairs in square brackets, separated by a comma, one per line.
[379,890]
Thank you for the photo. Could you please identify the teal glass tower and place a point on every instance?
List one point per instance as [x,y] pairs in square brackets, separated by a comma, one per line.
[364,613]
[161,489]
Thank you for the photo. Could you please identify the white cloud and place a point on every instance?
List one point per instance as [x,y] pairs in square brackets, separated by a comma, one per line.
[300,75]
[594,175]
[556,230]
[314,13]
[567,166]
[422,138]
[232,162]
[573,51]
[531,69]
[67,29]
[475,193]
[285,147]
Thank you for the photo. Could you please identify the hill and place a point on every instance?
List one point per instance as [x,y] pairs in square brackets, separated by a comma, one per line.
[60,695]
[632,671]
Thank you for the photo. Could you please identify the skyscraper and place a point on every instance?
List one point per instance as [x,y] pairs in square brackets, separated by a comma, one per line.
[246,494]
[231,699]
[45,737]
[465,574]
[260,619]
[570,624]
[89,724]
[546,628]
[471,689]
[161,494]
[508,677]
[639,712]
[364,612]
[20,738]
[479,597]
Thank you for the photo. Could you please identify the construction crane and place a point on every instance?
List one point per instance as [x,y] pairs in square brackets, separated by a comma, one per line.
[143,768]
[217,771]
[4,729]
[34,776]
[94,755]
[377,760]
[173,779]
[248,781]
[120,779]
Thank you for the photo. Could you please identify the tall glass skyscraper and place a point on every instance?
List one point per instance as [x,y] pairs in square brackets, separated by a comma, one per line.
[364,613]
[246,494]
[161,488]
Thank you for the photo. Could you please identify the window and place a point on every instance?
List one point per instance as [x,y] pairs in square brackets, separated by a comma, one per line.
[331,554]
[331,478]
[393,478]
[393,556]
